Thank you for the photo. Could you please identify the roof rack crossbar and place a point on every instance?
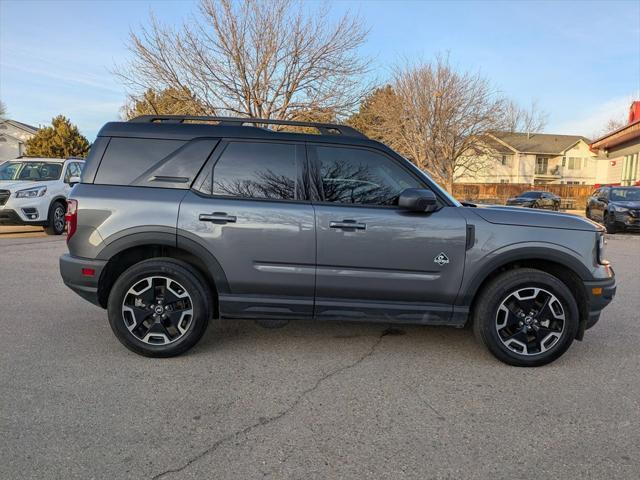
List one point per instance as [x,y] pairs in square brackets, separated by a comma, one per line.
[323,128]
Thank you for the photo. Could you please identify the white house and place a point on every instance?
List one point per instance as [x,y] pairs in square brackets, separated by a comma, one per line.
[13,137]
[536,159]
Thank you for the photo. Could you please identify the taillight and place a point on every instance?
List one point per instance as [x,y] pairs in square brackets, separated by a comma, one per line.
[71,218]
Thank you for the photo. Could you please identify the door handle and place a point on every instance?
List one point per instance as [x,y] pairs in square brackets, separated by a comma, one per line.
[217,217]
[348,224]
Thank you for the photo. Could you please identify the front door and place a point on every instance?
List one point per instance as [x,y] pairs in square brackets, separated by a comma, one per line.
[249,213]
[375,260]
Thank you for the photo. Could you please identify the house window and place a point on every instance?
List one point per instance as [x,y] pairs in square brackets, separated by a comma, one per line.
[502,180]
[542,164]
[564,161]
[630,169]
[574,163]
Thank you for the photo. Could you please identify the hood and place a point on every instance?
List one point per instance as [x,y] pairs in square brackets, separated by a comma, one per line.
[617,203]
[14,185]
[535,218]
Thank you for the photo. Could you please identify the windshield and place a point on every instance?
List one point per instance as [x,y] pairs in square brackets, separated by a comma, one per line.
[30,171]
[625,195]
[530,195]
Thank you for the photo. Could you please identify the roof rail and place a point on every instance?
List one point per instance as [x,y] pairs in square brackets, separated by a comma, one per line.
[323,128]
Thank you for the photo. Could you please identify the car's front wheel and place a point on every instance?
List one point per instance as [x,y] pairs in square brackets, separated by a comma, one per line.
[159,307]
[55,220]
[526,317]
[610,223]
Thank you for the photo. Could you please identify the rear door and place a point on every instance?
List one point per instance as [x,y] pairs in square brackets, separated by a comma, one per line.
[249,210]
[375,260]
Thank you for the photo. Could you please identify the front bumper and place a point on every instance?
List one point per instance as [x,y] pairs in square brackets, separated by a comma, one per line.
[10,217]
[626,220]
[83,283]
[596,302]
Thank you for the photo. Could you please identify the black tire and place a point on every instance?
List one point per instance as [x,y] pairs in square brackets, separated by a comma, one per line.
[268,323]
[609,224]
[54,225]
[587,213]
[486,311]
[185,277]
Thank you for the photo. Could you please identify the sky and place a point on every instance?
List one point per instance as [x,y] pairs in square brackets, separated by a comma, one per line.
[580,61]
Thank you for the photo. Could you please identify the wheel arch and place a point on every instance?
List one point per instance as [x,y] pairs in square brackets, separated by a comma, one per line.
[562,266]
[131,249]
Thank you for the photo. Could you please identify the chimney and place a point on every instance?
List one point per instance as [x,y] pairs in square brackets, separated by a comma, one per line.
[634,111]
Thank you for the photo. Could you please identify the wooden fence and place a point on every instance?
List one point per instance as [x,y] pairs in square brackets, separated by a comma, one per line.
[573,196]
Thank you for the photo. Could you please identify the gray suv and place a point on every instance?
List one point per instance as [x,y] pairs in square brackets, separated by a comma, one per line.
[181,219]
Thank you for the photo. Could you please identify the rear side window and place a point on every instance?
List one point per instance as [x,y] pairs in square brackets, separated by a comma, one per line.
[358,176]
[127,158]
[256,170]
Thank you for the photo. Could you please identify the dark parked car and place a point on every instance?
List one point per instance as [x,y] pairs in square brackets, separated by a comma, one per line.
[536,200]
[618,208]
[174,223]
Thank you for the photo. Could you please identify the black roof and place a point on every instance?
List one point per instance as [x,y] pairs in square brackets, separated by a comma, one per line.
[174,128]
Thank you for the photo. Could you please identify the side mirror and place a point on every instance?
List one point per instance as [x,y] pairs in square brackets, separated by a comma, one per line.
[74,180]
[418,200]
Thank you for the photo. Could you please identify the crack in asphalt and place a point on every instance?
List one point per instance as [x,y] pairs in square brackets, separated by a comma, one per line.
[262,421]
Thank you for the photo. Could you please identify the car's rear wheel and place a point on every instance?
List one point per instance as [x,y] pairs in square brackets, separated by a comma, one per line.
[526,317]
[159,307]
[55,220]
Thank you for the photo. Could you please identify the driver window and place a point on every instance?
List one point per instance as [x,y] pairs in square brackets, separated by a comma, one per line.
[358,176]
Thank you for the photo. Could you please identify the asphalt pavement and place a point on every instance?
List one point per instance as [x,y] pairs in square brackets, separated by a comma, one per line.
[308,401]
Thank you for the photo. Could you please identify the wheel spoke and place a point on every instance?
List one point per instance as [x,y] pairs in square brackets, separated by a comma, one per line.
[530,321]
[157,310]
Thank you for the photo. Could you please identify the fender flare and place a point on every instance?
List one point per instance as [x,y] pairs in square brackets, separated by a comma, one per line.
[470,288]
[165,236]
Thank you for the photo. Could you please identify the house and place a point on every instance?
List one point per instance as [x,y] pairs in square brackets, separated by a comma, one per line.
[536,159]
[13,137]
[619,152]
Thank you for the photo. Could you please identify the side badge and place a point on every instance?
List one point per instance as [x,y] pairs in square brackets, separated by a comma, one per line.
[441,259]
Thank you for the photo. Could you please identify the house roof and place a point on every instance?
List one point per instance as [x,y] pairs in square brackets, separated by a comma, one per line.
[546,143]
[622,135]
[20,125]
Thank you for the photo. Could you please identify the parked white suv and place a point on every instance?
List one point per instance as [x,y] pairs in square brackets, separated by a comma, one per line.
[34,191]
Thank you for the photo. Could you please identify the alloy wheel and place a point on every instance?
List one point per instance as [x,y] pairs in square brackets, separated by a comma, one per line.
[58,219]
[157,310]
[530,321]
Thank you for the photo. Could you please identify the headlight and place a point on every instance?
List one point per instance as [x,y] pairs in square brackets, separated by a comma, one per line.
[620,209]
[600,247]
[31,192]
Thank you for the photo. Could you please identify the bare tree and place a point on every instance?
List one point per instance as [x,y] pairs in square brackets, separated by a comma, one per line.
[259,58]
[440,119]
[526,120]
[3,109]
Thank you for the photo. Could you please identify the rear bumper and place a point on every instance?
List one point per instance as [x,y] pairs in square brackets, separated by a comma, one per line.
[84,284]
[597,302]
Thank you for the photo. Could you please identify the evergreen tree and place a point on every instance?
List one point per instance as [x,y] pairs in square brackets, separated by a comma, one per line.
[61,140]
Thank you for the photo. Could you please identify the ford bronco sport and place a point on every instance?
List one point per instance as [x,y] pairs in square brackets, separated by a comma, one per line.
[179,219]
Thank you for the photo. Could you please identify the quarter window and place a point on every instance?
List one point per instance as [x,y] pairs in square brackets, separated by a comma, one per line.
[256,170]
[358,176]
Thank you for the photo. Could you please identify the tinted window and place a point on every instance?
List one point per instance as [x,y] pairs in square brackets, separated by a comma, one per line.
[127,158]
[531,195]
[625,194]
[357,176]
[256,170]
